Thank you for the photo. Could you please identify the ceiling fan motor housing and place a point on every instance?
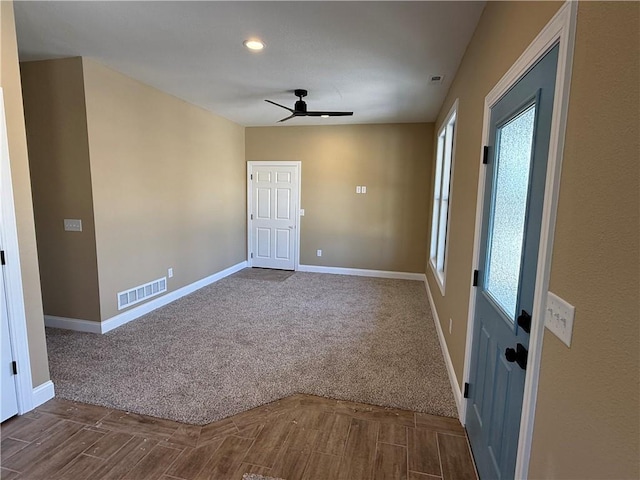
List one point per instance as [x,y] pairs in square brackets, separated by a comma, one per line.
[300,106]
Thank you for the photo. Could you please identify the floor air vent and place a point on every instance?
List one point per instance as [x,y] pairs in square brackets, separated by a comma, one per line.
[141,292]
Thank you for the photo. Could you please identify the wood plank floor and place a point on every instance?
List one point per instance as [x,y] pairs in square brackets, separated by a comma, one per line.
[299,437]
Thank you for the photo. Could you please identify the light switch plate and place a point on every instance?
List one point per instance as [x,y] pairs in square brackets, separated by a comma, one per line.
[302,212]
[72,225]
[559,317]
[358,189]
[364,189]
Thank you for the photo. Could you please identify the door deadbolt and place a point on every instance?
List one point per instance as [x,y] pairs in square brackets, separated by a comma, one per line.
[524,321]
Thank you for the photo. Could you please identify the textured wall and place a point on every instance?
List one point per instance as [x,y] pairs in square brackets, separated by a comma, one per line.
[56,122]
[169,186]
[384,229]
[10,82]
[587,419]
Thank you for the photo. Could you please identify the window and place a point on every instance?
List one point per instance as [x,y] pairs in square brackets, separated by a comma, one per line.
[441,197]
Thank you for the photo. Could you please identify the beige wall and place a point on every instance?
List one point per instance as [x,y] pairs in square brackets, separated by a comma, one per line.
[169,183]
[587,412]
[385,229]
[10,82]
[56,122]
[588,394]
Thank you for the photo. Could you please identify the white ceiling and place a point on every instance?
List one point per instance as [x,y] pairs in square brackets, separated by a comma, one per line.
[374,58]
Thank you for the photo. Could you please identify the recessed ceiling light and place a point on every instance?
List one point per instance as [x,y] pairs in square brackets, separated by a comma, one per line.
[324,116]
[253,44]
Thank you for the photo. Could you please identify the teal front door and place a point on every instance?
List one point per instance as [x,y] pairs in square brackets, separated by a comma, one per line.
[513,198]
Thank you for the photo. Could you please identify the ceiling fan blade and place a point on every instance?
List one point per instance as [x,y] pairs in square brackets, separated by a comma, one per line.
[329,114]
[289,117]
[300,109]
[278,105]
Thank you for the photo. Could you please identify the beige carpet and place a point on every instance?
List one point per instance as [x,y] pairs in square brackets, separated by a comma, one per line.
[243,342]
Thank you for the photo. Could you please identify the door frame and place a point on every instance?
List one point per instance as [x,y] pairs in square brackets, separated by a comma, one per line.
[560,30]
[259,163]
[13,274]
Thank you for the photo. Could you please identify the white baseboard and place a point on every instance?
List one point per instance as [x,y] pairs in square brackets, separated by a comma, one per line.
[43,393]
[137,312]
[72,324]
[360,272]
[455,386]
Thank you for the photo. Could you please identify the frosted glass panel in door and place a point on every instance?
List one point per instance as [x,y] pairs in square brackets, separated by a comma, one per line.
[514,141]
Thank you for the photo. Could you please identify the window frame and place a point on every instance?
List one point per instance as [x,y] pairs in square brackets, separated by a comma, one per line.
[440,225]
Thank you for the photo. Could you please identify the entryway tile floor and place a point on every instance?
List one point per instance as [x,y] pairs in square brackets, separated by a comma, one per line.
[298,437]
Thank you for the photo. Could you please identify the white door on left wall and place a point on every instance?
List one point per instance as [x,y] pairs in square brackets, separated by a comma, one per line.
[9,406]
[273,215]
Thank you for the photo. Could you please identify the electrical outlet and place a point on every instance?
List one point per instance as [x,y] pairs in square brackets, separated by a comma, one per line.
[358,189]
[170,272]
[558,317]
[450,326]
[318,253]
[72,225]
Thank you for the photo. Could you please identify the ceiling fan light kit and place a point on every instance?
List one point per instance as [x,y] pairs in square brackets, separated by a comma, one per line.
[300,108]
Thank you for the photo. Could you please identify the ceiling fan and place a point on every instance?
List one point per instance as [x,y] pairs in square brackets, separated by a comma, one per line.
[300,108]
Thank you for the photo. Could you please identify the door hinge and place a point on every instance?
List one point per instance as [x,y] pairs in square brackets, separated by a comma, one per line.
[476,274]
[485,155]
[252,216]
[466,390]
[2,260]
[251,254]
[14,368]
[251,176]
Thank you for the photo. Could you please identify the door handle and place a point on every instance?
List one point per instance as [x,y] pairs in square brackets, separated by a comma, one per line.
[290,227]
[518,355]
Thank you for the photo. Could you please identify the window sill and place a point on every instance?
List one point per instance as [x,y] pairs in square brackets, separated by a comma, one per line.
[439,276]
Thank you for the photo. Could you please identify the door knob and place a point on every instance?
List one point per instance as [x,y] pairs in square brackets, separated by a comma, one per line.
[518,355]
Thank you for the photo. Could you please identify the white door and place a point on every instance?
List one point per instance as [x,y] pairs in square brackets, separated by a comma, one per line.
[273,215]
[9,406]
